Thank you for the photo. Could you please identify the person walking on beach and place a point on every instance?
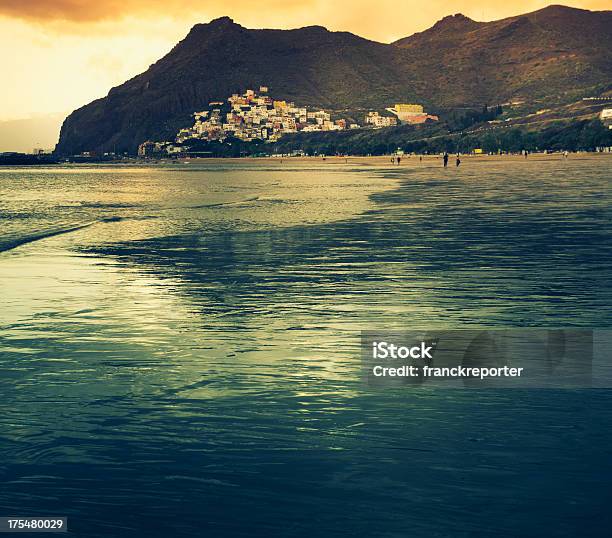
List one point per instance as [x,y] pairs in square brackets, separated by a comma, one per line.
[445,159]
[399,160]
[458,161]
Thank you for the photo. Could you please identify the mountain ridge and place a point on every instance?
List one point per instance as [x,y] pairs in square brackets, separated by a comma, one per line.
[541,54]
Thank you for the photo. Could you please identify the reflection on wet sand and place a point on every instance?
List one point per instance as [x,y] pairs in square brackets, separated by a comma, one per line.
[204,363]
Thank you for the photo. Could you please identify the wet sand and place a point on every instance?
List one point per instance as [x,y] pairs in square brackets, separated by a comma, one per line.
[199,356]
[385,160]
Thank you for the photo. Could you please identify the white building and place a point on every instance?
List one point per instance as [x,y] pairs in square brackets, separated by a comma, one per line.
[378,121]
[606,117]
[251,116]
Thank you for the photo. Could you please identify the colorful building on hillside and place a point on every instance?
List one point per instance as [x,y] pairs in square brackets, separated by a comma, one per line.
[411,113]
[256,116]
[378,121]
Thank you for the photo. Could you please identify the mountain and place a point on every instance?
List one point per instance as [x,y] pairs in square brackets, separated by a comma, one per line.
[25,134]
[556,52]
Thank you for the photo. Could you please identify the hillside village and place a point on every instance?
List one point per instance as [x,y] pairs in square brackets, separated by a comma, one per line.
[257,116]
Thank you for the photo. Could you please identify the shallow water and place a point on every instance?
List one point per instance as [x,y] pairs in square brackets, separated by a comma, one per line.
[186,363]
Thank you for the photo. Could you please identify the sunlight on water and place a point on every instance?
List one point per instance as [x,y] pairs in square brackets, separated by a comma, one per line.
[194,349]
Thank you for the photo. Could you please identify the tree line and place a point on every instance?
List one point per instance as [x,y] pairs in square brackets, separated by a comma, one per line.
[572,135]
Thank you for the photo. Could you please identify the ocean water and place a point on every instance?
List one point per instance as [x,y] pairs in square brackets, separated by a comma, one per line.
[179,348]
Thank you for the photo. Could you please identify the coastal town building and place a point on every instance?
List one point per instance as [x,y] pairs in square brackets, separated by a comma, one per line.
[403,108]
[378,121]
[606,117]
[153,149]
[411,113]
[146,149]
[256,116]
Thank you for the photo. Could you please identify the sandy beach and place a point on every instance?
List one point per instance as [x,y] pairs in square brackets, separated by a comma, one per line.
[385,160]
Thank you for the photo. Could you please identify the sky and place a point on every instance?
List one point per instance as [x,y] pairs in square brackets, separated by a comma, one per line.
[59,55]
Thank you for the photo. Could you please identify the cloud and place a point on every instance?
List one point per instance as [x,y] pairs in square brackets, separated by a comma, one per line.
[79,10]
[74,50]
[74,10]
[101,10]
[384,20]
[64,70]
[26,134]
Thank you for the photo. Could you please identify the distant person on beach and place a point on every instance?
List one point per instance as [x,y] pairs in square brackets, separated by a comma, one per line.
[445,159]
[565,154]
[458,161]
[399,160]
[420,158]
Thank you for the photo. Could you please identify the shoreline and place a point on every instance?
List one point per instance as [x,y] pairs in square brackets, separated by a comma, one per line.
[386,159]
[212,327]
[370,160]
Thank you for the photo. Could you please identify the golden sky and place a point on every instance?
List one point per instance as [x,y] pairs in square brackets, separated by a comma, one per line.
[61,54]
